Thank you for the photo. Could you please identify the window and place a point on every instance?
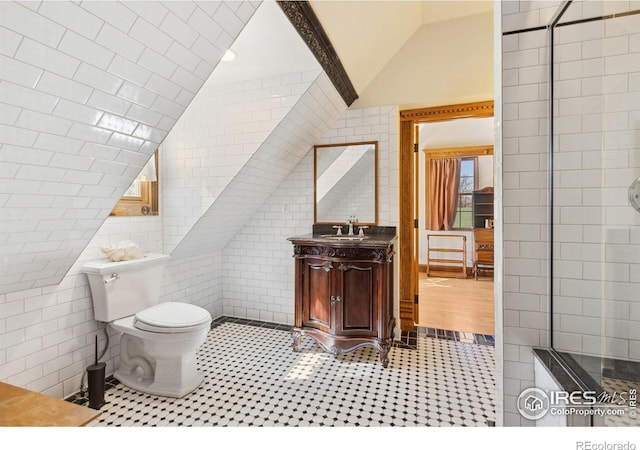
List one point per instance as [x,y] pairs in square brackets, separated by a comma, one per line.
[141,199]
[466,186]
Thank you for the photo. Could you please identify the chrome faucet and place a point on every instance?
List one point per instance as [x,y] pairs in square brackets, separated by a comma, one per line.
[350,222]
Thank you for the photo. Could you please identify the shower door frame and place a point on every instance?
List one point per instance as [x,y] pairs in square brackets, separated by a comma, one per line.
[553,25]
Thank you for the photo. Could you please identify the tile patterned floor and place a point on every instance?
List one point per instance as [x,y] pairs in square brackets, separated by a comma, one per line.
[254,379]
[410,339]
[628,389]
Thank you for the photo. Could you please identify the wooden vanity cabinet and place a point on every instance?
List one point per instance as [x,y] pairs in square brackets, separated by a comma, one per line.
[344,295]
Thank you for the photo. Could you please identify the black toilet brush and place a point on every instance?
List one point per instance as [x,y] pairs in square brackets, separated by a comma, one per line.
[96,379]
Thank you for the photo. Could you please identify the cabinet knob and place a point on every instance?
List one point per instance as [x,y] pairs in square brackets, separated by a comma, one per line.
[335,298]
[327,266]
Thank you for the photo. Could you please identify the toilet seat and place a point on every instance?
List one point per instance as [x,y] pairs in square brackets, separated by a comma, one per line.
[172,317]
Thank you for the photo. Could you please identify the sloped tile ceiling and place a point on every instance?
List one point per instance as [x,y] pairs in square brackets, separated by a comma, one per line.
[305,123]
[88,91]
[247,128]
[225,125]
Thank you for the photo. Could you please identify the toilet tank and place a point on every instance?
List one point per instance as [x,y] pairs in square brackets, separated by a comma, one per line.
[121,289]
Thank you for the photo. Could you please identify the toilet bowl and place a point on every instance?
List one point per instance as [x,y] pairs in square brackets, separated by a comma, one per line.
[157,355]
[159,340]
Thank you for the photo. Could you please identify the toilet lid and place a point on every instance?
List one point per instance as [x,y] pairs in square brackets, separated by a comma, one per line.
[171,317]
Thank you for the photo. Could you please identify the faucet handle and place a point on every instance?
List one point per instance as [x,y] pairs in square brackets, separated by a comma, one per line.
[339,228]
[362,228]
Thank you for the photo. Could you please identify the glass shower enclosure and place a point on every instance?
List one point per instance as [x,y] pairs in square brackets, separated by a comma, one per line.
[595,196]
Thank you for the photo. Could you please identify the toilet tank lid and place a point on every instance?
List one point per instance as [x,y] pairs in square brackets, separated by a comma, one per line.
[106,266]
[173,315]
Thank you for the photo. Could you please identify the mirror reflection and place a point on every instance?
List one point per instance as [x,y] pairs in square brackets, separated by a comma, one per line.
[345,183]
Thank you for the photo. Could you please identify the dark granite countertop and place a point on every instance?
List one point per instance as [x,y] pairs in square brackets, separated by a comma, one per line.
[557,368]
[373,229]
[369,240]
[374,236]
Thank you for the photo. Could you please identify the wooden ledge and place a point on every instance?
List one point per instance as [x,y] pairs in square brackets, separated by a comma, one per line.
[24,408]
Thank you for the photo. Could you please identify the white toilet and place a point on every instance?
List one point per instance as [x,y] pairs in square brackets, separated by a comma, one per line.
[159,340]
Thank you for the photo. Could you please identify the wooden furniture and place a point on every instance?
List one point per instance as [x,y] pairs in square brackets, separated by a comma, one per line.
[344,293]
[453,254]
[483,208]
[21,407]
[483,251]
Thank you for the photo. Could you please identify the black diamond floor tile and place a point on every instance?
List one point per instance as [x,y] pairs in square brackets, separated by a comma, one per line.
[253,378]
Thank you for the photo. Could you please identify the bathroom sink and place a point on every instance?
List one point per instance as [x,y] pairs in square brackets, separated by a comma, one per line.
[343,237]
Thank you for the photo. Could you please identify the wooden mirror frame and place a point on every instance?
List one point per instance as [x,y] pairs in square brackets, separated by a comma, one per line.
[375,181]
[407,220]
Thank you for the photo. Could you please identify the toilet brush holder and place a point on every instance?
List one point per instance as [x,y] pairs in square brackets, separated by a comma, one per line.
[96,381]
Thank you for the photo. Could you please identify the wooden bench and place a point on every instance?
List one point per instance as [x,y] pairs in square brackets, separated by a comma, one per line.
[454,257]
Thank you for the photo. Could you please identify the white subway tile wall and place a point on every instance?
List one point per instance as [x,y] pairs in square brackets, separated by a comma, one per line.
[84,87]
[63,166]
[595,110]
[258,281]
[374,124]
[524,188]
[263,170]
[47,333]
[219,133]
[596,162]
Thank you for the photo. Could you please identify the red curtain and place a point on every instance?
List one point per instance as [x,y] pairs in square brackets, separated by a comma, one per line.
[444,179]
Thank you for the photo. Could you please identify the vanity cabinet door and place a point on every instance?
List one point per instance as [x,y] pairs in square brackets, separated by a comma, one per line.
[356,311]
[317,285]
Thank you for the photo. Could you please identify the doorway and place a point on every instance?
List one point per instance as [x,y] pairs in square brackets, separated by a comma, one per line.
[446,292]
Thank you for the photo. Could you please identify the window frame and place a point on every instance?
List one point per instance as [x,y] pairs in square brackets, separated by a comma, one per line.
[144,205]
[474,159]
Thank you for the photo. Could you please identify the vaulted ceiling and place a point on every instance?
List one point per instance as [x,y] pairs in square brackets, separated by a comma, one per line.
[366,35]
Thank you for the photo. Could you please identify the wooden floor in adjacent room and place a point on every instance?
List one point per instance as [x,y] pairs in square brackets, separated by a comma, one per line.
[457,304]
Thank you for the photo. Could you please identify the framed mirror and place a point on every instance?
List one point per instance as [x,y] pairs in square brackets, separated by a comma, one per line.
[345,183]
